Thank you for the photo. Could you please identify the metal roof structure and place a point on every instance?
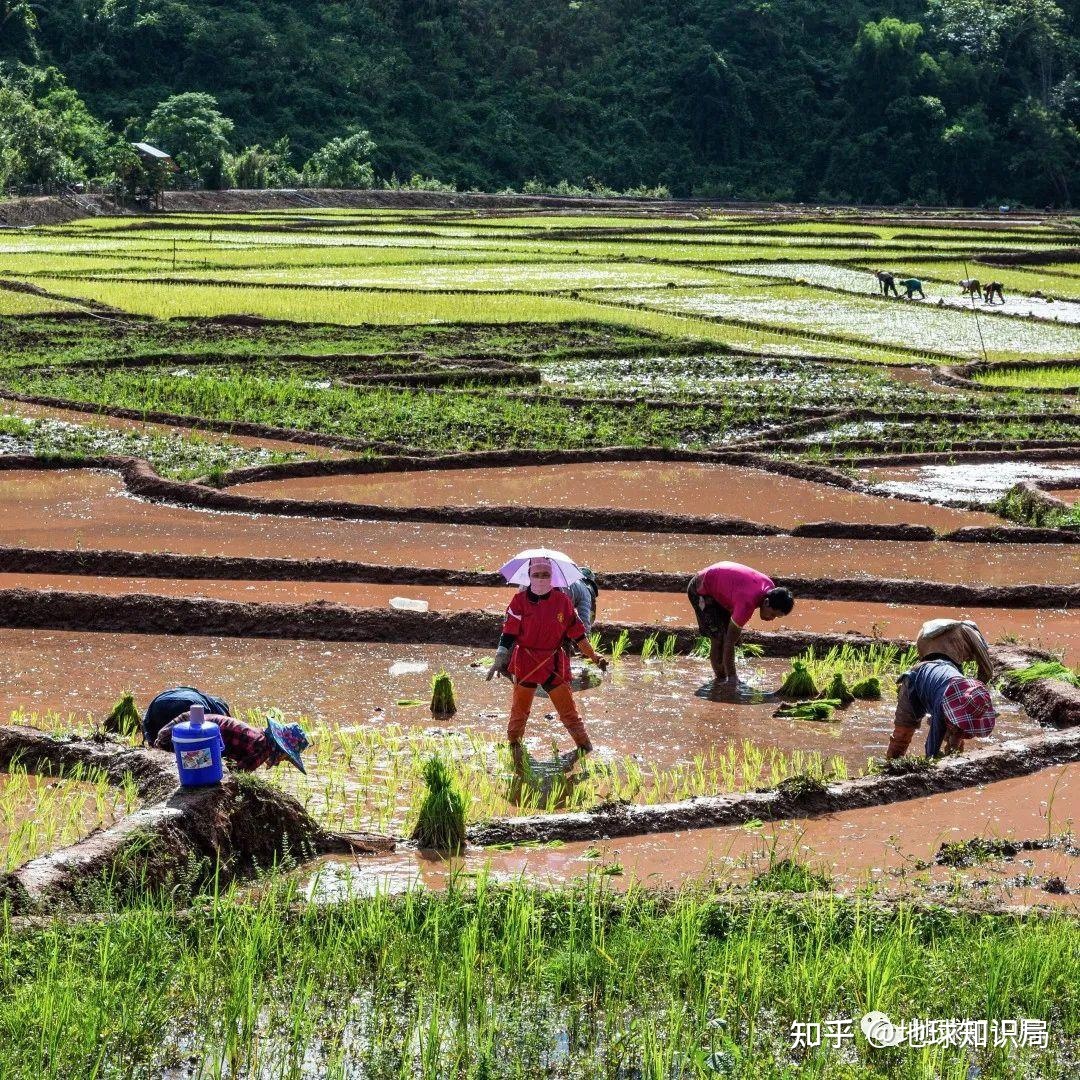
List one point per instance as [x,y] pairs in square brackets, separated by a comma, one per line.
[151,151]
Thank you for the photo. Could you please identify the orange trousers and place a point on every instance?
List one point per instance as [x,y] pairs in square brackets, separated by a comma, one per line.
[561,698]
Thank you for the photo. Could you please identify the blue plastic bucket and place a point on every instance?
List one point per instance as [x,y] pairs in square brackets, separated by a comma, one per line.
[197,745]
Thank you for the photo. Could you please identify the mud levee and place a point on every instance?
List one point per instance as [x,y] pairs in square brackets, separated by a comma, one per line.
[28,609]
[140,479]
[198,567]
[220,832]
[951,774]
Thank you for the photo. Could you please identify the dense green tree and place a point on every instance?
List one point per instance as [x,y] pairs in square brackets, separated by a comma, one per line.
[867,100]
[191,129]
[342,163]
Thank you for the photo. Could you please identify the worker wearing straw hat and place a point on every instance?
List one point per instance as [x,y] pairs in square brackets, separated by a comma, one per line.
[538,620]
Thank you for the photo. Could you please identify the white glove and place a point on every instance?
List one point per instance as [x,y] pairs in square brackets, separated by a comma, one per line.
[499,664]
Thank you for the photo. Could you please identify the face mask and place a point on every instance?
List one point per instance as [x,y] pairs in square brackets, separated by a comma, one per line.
[540,586]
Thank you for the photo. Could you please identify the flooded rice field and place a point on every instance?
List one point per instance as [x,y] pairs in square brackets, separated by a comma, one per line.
[918,324]
[41,813]
[1058,630]
[891,848]
[658,712]
[981,482]
[665,487]
[946,295]
[81,509]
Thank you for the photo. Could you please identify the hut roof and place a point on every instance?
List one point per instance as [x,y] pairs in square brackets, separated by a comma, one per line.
[152,151]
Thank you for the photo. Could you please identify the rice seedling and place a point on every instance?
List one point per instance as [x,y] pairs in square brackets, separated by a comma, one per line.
[868,689]
[39,813]
[442,695]
[441,822]
[650,646]
[798,683]
[820,709]
[619,646]
[1044,669]
[838,690]
[123,718]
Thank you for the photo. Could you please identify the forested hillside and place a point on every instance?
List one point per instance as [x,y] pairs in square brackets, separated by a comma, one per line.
[921,100]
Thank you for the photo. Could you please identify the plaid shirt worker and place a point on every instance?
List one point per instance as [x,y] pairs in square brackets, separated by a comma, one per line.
[245,747]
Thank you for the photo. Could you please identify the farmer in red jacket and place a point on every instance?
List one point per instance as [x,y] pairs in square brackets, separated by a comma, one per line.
[538,621]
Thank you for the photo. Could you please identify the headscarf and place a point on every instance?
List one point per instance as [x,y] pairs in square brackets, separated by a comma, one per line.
[542,586]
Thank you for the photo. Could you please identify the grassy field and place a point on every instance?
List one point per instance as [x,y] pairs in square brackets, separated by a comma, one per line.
[498,981]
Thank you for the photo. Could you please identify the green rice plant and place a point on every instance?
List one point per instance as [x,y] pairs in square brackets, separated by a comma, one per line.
[702,648]
[1044,669]
[440,824]
[650,646]
[742,651]
[442,695]
[821,709]
[667,650]
[838,690]
[798,683]
[124,718]
[868,689]
[619,646]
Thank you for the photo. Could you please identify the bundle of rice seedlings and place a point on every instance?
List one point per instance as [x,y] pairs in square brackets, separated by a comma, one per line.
[124,718]
[442,695]
[1044,669]
[822,709]
[799,682]
[441,823]
[868,689]
[838,690]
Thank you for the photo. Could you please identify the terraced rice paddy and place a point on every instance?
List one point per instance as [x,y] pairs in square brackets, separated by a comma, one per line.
[231,444]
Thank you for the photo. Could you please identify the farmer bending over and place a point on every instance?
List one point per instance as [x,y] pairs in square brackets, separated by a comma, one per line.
[725,596]
[244,747]
[911,286]
[959,640]
[958,707]
[993,288]
[886,281]
[170,704]
[538,621]
[970,286]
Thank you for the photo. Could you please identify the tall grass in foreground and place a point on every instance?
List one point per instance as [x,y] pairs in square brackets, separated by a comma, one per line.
[513,981]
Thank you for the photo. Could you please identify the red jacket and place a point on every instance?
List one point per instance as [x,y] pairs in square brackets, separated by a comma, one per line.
[539,625]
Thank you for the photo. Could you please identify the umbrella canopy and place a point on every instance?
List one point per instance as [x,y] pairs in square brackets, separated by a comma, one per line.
[564,570]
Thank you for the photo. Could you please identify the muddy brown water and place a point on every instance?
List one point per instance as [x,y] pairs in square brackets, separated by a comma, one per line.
[79,508]
[1053,629]
[665,487]
[885,846]
[1069,495]
[656,711]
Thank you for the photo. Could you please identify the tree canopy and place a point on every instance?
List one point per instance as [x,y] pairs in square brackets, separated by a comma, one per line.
[895,100]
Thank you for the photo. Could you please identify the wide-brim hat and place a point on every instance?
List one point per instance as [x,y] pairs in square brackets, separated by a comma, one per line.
[290,739]
[968,705]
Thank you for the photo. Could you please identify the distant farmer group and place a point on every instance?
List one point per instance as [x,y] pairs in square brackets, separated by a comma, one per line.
[972,287]
[552,613]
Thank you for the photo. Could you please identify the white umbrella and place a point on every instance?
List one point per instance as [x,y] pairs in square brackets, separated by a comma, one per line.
[564,570]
